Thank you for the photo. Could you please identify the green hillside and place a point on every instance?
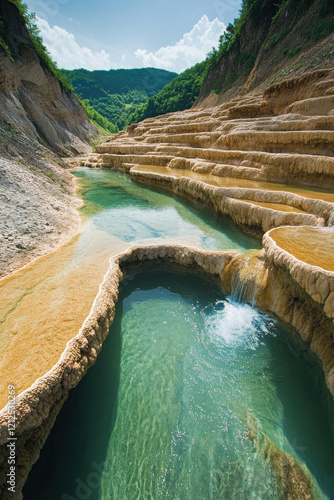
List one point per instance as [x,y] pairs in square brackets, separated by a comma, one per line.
[177,95]
[115,94]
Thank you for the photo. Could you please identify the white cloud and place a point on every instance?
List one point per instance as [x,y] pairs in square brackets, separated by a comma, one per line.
[191,49]
[67,52]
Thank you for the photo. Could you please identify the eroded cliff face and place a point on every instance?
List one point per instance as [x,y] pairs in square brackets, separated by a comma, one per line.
[32,100]
[277,39]
[40,120]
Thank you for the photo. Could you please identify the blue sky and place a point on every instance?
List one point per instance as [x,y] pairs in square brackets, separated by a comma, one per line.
[104,34]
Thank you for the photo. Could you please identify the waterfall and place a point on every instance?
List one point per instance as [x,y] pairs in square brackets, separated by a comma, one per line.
[247,279]
[239,289]
[331,219]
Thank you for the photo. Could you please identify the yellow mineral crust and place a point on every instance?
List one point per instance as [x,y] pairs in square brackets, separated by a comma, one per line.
[264,160]
[313,246]
[33,336]
[301,287]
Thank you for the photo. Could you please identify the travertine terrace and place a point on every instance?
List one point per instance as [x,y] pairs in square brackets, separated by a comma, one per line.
[264,160]
[268,159]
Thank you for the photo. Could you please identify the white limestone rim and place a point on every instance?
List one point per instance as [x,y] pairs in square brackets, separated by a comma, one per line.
[316,281]
[243,196]
[34,404]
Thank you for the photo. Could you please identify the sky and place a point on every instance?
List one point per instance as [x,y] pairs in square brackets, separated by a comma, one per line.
[110,34]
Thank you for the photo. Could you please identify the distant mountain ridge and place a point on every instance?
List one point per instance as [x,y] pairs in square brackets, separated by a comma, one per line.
[95,84]
[116,94]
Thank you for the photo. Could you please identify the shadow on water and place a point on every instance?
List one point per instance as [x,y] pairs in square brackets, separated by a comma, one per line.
[71,461]
[308,408]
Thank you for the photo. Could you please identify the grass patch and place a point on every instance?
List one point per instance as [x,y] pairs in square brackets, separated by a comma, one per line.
[246,60]
[5,47]
[3,44]
[273,41]
[292,52]
[51,176]
[95,140]
[286,72]
[321,30]
[216,90]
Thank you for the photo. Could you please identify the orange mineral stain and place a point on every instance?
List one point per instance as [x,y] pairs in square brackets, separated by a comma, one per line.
[315,246]
[45,304]
[232,182]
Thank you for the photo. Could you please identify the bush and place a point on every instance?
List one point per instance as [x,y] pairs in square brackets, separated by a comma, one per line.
[321,30]
[292,52]
[3,44]
[273,40]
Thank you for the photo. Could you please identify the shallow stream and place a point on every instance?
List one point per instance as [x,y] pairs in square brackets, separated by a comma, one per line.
[44,305]
[194,396]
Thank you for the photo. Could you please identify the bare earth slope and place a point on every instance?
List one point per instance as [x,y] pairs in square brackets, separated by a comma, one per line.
[39,121]
[32,100]
[277,40]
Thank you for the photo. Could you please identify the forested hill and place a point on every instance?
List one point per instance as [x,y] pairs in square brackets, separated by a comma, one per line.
[177,95]
[117,93]
[98,83]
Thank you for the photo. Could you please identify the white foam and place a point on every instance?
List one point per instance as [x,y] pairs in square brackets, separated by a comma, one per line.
[236,325]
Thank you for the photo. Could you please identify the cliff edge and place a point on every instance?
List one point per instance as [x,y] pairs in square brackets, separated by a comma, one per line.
[32,100]
[270,41]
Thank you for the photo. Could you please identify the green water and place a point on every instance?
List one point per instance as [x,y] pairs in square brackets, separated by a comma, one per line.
[184,376]
[136,214]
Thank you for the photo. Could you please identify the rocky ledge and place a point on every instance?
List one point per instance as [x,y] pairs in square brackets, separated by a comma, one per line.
[264,278]
[231,158]
[270,155]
